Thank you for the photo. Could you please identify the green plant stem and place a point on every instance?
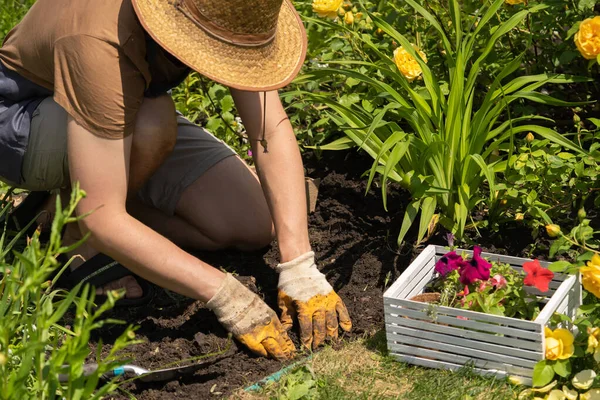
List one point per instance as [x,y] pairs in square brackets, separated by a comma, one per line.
[576,243]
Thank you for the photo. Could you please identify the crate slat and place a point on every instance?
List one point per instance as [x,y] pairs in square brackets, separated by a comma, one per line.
[474,325]
[518,344]
[555,301]
[440,250]
[394,330]
[425,255]
[471,315]
[455,358]
[450,346]
[418,280]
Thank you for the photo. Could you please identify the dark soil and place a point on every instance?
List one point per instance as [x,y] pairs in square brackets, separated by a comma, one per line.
[355,242]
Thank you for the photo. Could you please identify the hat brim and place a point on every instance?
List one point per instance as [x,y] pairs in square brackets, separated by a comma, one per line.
[268,67]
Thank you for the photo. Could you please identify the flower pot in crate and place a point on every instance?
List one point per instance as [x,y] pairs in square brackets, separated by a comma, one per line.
[450,338]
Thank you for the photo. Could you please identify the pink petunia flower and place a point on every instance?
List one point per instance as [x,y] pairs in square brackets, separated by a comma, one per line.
[498,281]
[448,263]
[482,286]
[476,268]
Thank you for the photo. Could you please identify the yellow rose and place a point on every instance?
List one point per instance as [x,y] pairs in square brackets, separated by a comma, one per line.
[514,2]
[408,66]
[590,276]
[587,39]
[594,343]
[559,344]
[327,8]
[349,18]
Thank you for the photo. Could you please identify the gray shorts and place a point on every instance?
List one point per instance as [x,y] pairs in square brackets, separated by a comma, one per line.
[45,164]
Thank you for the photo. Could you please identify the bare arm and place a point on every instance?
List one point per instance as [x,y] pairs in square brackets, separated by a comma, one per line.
[280,168]
[102,168]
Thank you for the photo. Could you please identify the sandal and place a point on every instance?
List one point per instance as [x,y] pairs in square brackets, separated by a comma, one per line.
[22,215]
[99,271]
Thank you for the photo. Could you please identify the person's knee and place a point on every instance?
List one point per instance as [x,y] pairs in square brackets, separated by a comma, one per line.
[256,235]
[156,126]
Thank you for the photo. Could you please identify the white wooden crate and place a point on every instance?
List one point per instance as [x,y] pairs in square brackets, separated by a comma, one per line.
[450,338]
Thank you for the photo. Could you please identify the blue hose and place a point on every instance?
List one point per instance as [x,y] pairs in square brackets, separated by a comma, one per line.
[276,376]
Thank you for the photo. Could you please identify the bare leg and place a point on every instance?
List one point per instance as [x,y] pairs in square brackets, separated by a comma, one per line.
[224,208]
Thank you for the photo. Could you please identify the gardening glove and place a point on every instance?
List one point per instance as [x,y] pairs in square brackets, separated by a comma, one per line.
[305,293]
[250,320]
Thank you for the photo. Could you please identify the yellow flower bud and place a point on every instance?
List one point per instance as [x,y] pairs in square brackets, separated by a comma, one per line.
[529,138]
[553,230]
[379,31]
[519,216]
[590,277]
[587,39]
[327,8]
[3,359]
[407,64]
[349,18]
[358,15]
[559,344]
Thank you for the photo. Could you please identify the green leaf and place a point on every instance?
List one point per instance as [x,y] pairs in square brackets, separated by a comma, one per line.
[409,218]
[589,308]
[542,373]
[427,212]
[559,266]
[343,143]
[227,103]
[573,30]
[562,368]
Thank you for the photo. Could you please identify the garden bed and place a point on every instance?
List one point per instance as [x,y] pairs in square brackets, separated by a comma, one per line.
[355,243]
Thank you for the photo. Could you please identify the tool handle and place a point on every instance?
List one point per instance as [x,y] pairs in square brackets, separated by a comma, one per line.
[90,369]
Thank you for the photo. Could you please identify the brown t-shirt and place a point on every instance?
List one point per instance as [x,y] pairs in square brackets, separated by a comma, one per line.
[96,58]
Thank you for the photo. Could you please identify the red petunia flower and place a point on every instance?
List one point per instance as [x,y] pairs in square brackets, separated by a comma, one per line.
[537,275]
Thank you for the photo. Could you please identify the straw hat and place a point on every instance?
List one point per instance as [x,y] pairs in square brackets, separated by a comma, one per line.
[246,44]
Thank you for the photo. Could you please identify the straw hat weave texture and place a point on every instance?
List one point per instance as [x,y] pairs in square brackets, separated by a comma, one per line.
[270,60]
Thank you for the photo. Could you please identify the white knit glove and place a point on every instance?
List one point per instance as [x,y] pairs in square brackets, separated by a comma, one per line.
[250,320]
[305,293]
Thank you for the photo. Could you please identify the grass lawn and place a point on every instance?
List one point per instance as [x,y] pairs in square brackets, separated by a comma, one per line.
[363,370]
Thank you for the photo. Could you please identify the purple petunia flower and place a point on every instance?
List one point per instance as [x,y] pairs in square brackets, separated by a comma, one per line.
[475,268]
[448,263]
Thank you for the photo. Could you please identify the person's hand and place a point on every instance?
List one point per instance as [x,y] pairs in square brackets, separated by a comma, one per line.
[250,320]
[305,293]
